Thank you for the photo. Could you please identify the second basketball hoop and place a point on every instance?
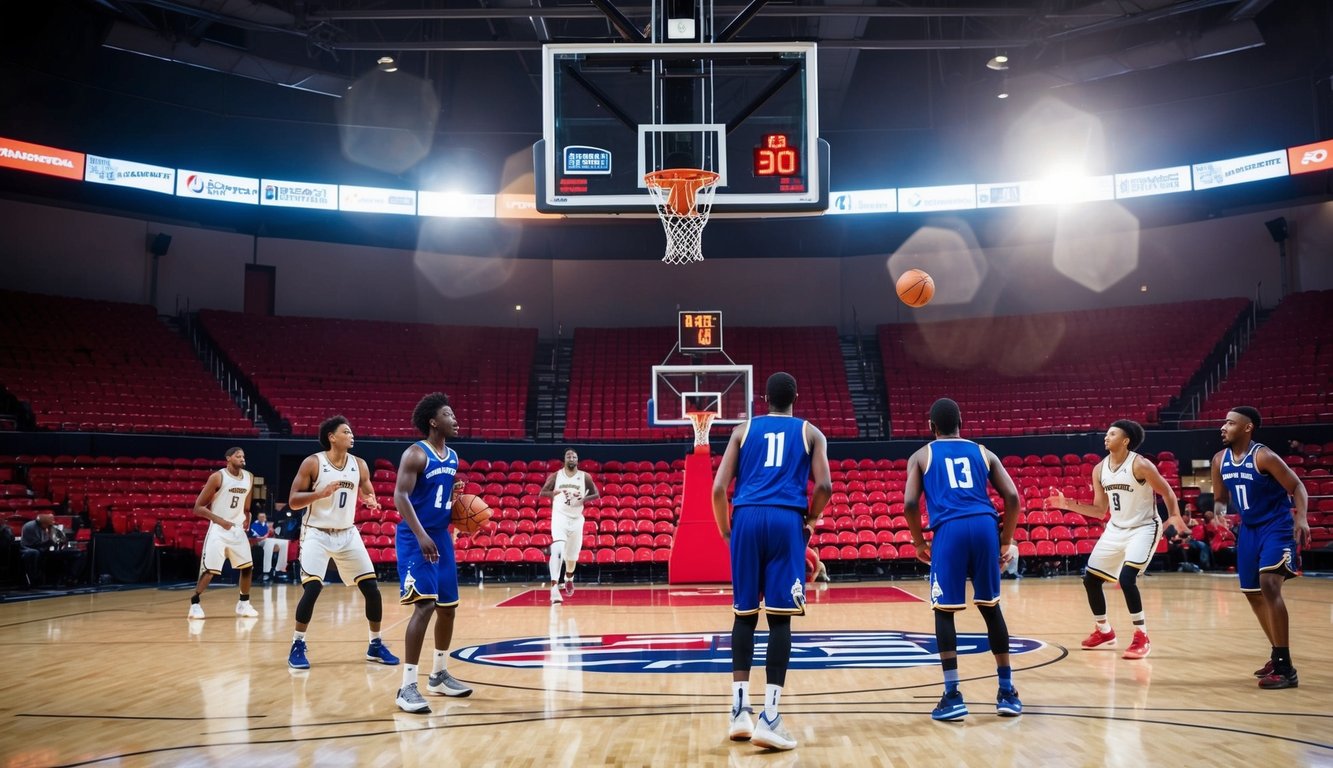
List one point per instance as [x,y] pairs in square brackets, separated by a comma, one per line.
[684,198]
[702,421]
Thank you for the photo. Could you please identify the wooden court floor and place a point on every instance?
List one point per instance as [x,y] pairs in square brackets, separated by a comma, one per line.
[123,679]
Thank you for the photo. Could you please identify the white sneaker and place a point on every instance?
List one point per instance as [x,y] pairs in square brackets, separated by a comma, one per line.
[196,611]
[772,735]
[742,727]
[556,597]
[410,699]
[243,608]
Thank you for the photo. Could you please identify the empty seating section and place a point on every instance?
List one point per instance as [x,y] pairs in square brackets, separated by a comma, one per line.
[1287,371]
[1313,463]
[611,380]
[1091,367]
[98,366]
[375,372]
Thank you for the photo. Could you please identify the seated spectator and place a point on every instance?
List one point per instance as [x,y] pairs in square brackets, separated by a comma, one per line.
[47,556]
[1221,541]
[263,535]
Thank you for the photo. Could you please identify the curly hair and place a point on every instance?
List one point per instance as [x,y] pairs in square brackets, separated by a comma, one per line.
[328,427]
[1132,429]
[426,410]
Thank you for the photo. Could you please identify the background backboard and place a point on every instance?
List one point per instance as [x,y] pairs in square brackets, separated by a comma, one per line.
[724,389]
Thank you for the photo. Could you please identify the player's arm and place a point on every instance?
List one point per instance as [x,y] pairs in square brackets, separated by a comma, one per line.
[303,485]
[367,488]
[548,490]
[206,494]
[1220,497]
[590,491]
[722,480]
[1004,485]
[1272,464]
[820,473]
[912,505]
[249,499]
[1096,510]
[1149,472]
[410,467]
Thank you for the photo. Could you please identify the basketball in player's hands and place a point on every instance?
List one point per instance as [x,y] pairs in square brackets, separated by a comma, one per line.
[470,513]
[915,288]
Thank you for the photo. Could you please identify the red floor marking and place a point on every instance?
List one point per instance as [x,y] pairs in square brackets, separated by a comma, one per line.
[706,596]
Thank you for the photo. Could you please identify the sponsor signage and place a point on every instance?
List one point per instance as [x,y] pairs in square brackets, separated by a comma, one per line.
[455,205]
[1311,157]
[216,186]
[710,652]
[863,201]
[510,205]
[1162,181]
[124,173]
[587,161]
[955,197]
[377,200]
[37,158]
[298,194]
[1057,191]
[1239,170]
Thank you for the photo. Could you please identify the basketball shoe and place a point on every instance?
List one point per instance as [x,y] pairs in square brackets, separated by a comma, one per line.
[1099,639]
[1139,648]
[196,611]
[1007,703]
[296,657]
[569,587]
[1279,679]
[1265,670]
[772,735]
[410,699]
[742,727]
[556,596]
[243,608]
[951,707]
[447,684]
[379,652]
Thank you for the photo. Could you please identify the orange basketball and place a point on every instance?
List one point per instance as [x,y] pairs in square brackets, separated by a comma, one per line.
[470,513]
[916,288]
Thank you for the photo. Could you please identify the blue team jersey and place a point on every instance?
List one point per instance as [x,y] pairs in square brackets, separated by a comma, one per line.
[1257,497]
[954,481]
[430,499]
[774,464]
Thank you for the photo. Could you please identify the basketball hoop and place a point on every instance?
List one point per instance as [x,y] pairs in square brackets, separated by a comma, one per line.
[702,421]
[683,196]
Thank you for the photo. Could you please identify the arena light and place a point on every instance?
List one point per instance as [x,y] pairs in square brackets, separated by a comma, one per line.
[999,63]
[386,64]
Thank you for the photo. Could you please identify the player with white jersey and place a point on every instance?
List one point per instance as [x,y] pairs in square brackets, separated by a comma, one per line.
[328,485]
[1123,483]
[225,503]
[568,488]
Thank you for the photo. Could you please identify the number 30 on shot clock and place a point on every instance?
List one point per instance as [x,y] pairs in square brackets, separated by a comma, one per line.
[776,157]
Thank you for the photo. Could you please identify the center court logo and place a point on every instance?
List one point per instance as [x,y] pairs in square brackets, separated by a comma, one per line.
[711,652]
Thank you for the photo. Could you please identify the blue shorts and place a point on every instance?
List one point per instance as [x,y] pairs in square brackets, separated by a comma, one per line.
[768,560]
[1270,547]
[421,580]
[965,548]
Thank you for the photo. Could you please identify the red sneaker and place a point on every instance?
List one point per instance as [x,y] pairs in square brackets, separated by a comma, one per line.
[1099,639]
[1279,680]
[1140,647]
[1265,670]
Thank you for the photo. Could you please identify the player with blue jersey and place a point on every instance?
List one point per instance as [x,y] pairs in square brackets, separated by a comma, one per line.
[952,472]
[772,458]
[424,496]
[1252,480]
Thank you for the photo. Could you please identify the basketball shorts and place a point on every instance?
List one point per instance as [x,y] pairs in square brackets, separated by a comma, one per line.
[221,545]
[1119,547]
[767,560]
[1266,548]
[419,579]
[965,548]
[344,548]
[569,530]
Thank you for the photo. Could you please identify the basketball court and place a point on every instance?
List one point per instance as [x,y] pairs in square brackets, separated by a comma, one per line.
[610,678]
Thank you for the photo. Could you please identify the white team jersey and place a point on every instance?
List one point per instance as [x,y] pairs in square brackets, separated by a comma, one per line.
[577,484]
[1131,500]
[229,502]
[338,510]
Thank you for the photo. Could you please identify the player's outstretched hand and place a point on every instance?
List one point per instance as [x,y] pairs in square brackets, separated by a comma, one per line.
[1057,500]
[370,501]
[923,552]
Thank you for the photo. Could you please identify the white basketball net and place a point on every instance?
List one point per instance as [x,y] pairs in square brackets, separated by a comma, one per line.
[702,421]
[684,231]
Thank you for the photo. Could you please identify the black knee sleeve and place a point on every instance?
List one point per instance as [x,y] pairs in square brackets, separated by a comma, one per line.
[306,607]
[946,636]
[1096,599]
[742,642]
[997,632]
[779,649]
[1129,584]
[374,605]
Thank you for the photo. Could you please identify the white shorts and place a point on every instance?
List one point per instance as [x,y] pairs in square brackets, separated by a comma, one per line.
[221,545]
[1119,547]
[569,530]
[345,548]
